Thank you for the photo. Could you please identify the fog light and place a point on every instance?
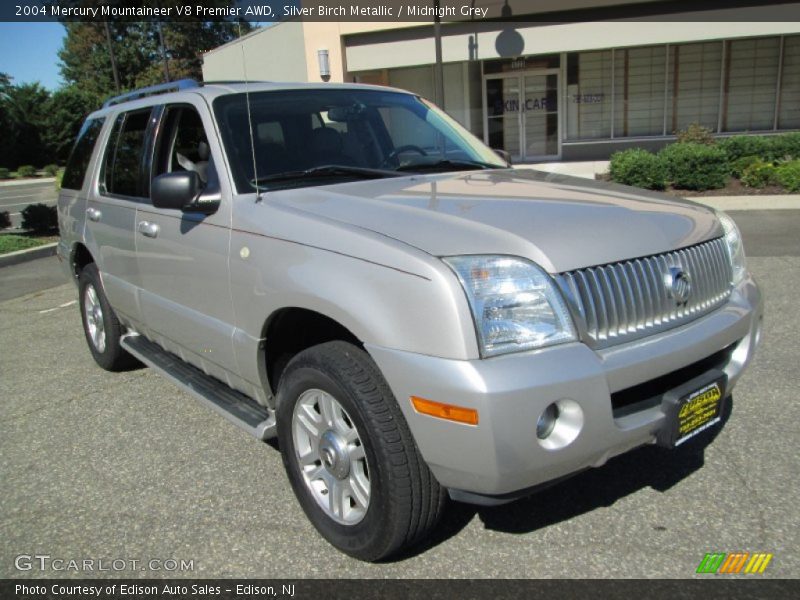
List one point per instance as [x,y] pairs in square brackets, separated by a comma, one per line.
[547,421]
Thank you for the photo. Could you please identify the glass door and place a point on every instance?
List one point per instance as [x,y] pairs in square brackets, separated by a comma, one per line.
[503,117]
[540,115]
[522,115]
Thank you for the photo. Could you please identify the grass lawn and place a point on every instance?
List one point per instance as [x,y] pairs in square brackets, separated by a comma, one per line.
[12,243]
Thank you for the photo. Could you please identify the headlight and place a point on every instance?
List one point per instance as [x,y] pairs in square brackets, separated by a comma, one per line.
[733,239]
[514,303]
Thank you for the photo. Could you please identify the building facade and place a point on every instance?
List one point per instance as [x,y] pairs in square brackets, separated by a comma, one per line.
[592,84]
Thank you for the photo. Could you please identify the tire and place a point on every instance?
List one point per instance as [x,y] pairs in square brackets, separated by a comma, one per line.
[403,499]
[100,324]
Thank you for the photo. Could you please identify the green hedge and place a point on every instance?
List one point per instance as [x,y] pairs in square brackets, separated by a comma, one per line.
[26,171]
[695,166]
[698,165]
[4,173]
[788,175]
[739,165]
[768,148]
[39,218]
[759,174]
[639,168]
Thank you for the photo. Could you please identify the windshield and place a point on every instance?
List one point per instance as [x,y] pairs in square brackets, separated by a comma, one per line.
[297,134]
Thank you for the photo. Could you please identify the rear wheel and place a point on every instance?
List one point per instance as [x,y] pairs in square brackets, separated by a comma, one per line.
[350,456]
[101,326]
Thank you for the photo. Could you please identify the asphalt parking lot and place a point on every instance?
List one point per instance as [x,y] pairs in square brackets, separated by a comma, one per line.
[14,197]
[100,465]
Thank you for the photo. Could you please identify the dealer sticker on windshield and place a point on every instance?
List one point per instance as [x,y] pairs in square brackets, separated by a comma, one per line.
[698,411]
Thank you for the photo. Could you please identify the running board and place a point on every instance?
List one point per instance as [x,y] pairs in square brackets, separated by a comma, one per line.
[239,409]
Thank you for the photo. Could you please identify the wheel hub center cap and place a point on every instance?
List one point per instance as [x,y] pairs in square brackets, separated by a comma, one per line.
[334,455]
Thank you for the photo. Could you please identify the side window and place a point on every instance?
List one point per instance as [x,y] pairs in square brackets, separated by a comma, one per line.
[183,146]
[81,154]
[123,163]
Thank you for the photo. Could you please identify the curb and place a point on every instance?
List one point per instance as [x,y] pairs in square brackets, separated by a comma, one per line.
[755,202]
[29,181]
[22,256]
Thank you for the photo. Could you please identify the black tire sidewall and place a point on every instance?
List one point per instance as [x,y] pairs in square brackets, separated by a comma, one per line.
[109,358]
[368,538]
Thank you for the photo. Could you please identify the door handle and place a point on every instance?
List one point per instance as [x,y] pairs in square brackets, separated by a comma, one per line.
[147,229]
[93,214]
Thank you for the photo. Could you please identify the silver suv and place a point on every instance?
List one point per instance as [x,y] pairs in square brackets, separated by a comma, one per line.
[347,268]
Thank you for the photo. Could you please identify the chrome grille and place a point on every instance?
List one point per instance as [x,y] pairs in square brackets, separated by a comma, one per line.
[630,299]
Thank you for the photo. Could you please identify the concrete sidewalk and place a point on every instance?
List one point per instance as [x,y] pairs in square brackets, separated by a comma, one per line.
[586,169]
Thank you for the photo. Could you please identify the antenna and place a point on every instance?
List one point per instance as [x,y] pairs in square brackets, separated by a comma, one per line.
[249,116]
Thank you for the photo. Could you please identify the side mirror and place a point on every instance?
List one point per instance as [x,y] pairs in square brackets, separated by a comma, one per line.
[175,190]
[503,154]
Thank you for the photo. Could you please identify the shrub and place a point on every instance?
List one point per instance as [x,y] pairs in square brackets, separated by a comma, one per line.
[4,173]
[5,220]
[759,174]
[696,134]
[693,166]
[51,170]
[39,218]
[639,168]
[739,165]
[26,171]
[786,146]
[788,175]
[738,146]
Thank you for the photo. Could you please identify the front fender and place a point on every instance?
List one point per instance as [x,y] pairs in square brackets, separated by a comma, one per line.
[422,311]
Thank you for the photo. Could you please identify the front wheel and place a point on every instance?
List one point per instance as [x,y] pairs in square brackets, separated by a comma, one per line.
[349,454]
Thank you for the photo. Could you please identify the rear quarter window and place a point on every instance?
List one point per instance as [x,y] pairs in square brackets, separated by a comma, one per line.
[122,172]
[81,154]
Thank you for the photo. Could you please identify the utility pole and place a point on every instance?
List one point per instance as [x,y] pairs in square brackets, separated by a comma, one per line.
[161,46]
[111,55]
[163,52]
[438,70]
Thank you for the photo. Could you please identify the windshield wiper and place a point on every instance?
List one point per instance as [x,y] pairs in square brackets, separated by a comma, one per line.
[326,171]
[447,163]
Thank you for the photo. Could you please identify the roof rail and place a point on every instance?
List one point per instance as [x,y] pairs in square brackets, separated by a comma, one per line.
[162,88]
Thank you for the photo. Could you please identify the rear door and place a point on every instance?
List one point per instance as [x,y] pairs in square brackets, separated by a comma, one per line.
[111,208]
[183,256]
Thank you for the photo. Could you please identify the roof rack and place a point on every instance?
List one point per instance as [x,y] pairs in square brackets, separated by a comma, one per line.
[162,88]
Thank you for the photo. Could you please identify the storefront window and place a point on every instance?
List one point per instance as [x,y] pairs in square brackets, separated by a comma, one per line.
[588,100]
[693,85]
[789,115]
[751,78]
[639,91]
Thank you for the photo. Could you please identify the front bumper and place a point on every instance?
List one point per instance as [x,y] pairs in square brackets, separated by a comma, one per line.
[502,454]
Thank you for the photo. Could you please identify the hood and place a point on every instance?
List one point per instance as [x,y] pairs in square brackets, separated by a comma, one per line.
[560,222]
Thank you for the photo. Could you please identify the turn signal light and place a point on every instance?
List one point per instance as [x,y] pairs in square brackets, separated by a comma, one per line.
[459,414]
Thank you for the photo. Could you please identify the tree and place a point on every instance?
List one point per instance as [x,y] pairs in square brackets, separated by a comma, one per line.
[86,62]
[5,121]
[25,109]
[66,111]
